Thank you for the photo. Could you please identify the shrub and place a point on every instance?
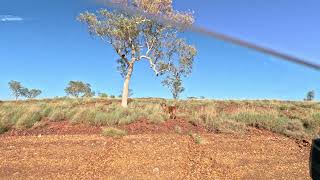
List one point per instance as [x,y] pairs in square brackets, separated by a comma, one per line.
[101,118]
[205,114]
[113,132]
[28,119]
[103,95]
[227,126]
[197,138]
[84,116]
[46,111]
[57,114]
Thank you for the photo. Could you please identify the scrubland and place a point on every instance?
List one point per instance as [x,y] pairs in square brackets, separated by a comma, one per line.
[289,118]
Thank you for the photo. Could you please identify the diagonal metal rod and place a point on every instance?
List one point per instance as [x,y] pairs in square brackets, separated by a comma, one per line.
[213,34]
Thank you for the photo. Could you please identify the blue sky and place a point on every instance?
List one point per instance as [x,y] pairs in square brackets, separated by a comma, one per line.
[43,46]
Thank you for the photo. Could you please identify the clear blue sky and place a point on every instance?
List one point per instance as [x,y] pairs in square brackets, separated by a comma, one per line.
[43,46]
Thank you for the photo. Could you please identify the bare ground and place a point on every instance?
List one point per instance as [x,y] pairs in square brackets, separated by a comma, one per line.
[255,154]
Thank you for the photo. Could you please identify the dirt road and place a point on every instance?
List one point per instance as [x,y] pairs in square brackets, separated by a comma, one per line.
[257,155]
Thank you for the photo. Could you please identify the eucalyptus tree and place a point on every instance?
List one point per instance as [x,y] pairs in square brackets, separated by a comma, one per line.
[33,93]
[136,38]
[17,89]
[79,88]
[310,95]
[174,83]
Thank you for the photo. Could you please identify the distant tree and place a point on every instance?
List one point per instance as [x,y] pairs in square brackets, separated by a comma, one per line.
[25,92]
[16,88]
[33,93]
[191,97]
[135,38]
[103,95]
[19,91]
[310,96]
[202,97]
[112,96]
[89,93]
[174,83]
[79,89]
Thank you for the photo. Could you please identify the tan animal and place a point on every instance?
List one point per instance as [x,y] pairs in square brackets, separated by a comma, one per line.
[171,110]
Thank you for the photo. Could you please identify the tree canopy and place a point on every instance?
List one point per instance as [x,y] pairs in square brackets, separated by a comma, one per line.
[18,90]
[310,95]
[135,38]
[78,88]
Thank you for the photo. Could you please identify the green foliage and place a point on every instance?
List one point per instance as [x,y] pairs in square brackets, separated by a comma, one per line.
[56,114]
[310,96]
[33,93]
[28,119]
[78,88]
[16,88]
[19,91]
[113,132]
[174,83]
[103,95]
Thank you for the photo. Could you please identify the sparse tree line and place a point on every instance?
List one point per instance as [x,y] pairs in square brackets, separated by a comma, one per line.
[79,89]
[76,89]
[18,90]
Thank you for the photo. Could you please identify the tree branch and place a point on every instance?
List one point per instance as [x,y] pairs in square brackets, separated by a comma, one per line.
[152,64]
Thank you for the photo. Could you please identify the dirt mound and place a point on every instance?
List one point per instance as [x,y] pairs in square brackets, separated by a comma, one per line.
[142,126]
[55,128]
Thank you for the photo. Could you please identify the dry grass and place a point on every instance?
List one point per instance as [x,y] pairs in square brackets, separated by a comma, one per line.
[294,119]
[196,138]
[113,132]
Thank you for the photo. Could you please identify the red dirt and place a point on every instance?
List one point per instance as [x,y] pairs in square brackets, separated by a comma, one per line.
[150,151]
[144,126]
[257,155]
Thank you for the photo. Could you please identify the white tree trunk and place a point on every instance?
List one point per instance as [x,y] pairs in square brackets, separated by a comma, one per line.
[125,91]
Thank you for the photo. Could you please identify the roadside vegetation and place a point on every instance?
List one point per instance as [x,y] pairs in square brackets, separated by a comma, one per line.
[293,119]
[113,132]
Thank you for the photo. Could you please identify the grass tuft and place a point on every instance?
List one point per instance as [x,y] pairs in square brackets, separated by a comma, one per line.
[178,129]
[196,138]
[113,132]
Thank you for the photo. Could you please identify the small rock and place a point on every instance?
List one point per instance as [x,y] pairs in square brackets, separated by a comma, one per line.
[156,170]
[39,136]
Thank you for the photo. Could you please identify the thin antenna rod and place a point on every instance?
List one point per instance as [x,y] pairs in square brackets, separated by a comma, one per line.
[213,34]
